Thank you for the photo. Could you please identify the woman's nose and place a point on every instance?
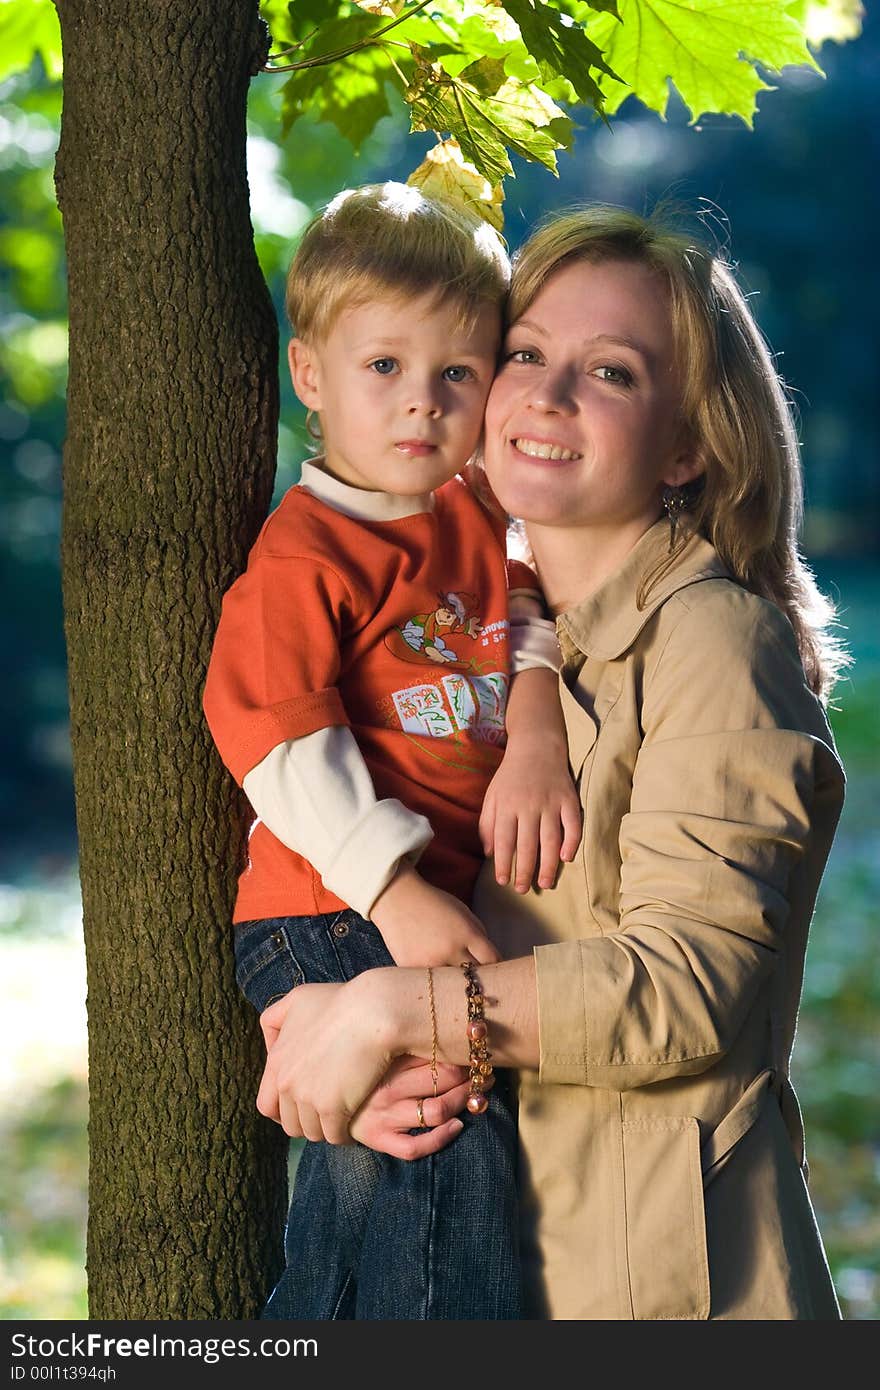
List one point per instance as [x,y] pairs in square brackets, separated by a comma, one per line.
[553,393]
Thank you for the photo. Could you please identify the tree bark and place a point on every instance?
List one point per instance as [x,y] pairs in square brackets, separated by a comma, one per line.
[168,473]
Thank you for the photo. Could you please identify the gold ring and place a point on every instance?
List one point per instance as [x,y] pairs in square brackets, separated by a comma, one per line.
[421,1114]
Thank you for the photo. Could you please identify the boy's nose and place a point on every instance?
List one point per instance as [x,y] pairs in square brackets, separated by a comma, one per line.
[425,405]
[424,396]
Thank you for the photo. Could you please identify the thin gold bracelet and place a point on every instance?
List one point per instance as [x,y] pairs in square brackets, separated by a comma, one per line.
[434,1076]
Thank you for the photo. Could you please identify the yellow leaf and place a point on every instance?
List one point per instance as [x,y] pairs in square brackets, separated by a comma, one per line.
[389,7]
[833,19]
[444,173]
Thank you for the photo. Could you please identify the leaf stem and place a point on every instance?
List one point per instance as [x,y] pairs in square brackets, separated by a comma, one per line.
[291,48]
[322,60]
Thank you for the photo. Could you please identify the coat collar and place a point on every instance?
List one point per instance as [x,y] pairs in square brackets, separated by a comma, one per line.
[608,621]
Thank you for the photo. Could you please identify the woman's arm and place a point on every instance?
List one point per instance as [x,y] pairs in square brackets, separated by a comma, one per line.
[735,793]
[356,1030]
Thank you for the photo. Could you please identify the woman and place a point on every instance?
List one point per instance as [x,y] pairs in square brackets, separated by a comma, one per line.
[649,999]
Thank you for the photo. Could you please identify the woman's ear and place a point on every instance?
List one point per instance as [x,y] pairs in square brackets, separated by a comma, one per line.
[687,463]
[304,373]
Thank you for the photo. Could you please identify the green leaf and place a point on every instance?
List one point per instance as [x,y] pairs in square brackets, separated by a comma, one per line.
[350,94]
[485,76]
[292,21]
[28,27]
[340,75]
[707,48]
[561,49]
[338,35]
[489,34]
[516,117]
[304,16]
[579,9]
[440,106]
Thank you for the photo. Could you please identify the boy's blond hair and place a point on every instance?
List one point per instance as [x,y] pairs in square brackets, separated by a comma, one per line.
[389,239]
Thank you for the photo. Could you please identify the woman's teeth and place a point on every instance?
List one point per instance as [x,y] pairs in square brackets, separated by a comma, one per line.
[543,451]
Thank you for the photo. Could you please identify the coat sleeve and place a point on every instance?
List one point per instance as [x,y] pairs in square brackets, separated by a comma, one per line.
[735,752]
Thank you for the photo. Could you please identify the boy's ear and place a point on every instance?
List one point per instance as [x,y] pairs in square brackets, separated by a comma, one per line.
[304,373]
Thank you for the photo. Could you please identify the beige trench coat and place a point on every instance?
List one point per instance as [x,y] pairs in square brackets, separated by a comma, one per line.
[662,1167]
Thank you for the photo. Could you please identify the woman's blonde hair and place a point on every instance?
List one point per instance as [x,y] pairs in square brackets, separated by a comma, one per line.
[390,239]
[749,501]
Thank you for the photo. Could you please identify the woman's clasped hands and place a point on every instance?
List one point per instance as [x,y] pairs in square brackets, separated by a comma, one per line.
[348,1085]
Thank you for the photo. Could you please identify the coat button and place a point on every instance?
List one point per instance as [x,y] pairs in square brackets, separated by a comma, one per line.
[340,929]
[277,938]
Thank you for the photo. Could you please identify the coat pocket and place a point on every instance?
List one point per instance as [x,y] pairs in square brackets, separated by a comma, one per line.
[665,1219]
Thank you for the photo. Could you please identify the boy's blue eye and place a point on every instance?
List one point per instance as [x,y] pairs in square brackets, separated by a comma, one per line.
[385,366]
[457,373]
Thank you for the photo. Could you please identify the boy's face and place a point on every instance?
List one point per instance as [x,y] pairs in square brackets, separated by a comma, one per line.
[400,391]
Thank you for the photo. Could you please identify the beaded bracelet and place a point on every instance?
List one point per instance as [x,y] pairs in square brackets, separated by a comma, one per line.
[478,1042]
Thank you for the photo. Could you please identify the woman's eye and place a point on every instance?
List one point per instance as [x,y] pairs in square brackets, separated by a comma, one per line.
[615,376]
[524,355]
[385,366]
[456,374]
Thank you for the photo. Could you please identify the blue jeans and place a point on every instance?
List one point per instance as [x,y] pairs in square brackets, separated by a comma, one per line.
[370,1236]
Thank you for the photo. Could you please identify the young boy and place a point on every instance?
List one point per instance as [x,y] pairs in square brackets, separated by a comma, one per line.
[357,691]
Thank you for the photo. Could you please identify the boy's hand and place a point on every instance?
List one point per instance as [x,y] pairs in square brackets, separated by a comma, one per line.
[531,811]
[422,925]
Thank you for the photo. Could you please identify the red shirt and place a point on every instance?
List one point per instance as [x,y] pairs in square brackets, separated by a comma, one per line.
[396,627]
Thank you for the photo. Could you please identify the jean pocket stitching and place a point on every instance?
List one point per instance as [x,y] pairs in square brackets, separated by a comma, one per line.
[264,954]
[356,950]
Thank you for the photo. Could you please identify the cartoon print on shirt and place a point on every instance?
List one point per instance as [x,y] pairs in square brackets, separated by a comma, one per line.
[423,637]
[458,707]
[456,715]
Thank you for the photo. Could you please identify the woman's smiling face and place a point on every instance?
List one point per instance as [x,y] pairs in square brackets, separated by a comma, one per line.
[582,424]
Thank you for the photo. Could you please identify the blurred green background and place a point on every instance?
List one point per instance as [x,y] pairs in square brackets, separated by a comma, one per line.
[797,199]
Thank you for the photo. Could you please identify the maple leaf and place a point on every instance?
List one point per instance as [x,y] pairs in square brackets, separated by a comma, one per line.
[707,48]
[445,173]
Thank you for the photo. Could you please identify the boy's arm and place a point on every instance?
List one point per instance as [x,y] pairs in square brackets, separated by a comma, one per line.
[273,705]
[533,640]
[316,795]
[531,811]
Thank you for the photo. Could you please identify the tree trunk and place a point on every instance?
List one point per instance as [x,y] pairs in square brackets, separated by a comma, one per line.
[168,472]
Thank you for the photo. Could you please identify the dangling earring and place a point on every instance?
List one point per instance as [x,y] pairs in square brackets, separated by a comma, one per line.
[675,501]
[312,429]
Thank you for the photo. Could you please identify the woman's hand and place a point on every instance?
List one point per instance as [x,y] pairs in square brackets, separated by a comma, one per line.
[384,1120]
[328,1047]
